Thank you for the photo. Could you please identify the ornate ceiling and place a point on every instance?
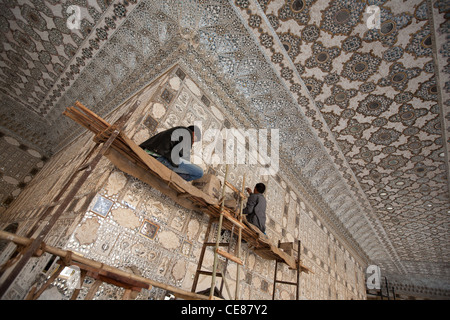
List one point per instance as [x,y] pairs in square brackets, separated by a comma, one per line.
[363,113]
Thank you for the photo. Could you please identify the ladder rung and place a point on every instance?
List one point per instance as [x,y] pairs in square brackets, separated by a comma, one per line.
[209,273]
[229,185]
[229,256]
[211,244]
[285,282]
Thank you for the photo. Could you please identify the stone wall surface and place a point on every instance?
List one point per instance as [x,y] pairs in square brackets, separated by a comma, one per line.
[121,221]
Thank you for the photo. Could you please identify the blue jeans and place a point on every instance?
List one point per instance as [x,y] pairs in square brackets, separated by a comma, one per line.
[186,170]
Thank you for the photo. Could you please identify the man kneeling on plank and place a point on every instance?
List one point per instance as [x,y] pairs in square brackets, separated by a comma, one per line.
[172,148]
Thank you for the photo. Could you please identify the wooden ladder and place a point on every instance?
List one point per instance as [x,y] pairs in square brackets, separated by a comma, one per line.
[217,245]
[288,247]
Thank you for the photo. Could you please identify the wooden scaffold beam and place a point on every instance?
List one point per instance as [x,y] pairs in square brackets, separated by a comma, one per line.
[102,271]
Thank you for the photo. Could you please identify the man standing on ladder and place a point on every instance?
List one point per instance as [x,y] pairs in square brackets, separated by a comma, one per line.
[256,207]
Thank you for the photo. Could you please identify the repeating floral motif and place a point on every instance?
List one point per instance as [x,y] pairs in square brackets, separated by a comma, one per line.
[399,77]
[340,16]
[366,104]
[58,45]
[390,27]
[382,121]
[322,57]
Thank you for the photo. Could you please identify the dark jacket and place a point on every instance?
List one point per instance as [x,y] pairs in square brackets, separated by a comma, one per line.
[256,210]
[162,144]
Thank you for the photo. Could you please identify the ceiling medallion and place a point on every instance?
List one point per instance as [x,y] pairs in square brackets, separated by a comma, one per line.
[341,96]
[427,42]
[420,169]
[437,126]
[432,89]
[322,57]
[360,67]
[385,136]
[375,175]
[399,77]
[287,46]
[408,115]
[342,16]
[425,189]
[415,145]
[374,105]
[387,27]
[297,6]
[393,162]
[355,128]
[366,154]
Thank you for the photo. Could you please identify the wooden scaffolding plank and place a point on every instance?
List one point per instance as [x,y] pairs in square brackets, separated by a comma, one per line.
[112,278]
[109,271]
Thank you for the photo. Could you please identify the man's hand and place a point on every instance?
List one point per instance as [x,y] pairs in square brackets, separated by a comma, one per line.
[248,190]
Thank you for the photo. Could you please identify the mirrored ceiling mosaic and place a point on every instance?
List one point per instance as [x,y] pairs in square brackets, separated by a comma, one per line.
[363,113]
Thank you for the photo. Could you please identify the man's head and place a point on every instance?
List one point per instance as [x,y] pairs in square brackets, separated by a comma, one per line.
[260,188]
[197,133]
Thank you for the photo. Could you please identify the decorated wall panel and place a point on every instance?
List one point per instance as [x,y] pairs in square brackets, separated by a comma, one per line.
[120,221]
